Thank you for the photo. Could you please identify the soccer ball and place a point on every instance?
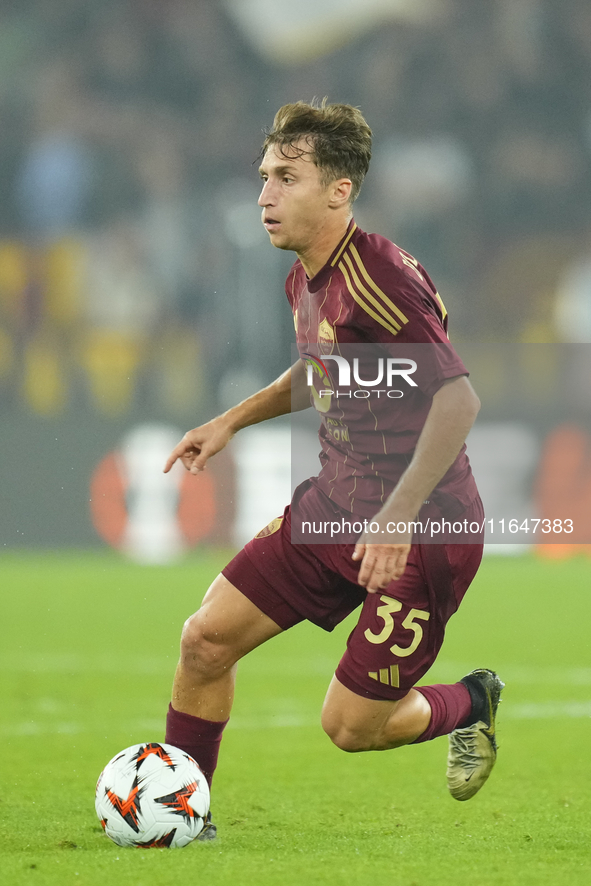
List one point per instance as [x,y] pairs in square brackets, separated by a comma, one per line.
[152,795]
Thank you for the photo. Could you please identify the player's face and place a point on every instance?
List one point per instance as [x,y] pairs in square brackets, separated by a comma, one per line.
[296,204]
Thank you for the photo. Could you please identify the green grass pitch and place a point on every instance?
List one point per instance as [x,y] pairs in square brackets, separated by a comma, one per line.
[89,644]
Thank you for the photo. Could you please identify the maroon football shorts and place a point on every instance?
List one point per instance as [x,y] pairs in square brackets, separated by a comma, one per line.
[400,630]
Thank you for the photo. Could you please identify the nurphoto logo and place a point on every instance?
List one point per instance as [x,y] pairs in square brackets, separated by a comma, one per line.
[387,371]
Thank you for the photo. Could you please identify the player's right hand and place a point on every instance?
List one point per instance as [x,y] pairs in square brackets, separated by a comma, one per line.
[200,444]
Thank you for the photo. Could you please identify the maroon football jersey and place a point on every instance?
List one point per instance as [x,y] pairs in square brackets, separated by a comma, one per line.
[372,295]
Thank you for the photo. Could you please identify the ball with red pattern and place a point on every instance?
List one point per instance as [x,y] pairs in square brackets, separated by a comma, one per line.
[152,795]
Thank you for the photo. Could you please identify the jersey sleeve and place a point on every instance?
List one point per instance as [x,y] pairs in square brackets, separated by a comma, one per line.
[400,308]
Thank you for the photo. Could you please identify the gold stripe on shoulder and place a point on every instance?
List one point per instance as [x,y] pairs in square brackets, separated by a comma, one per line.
[344,246]
[443,308]
[371,298]
[376,288]
[364,305]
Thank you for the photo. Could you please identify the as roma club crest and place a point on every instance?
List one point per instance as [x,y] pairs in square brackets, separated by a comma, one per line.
[326,336]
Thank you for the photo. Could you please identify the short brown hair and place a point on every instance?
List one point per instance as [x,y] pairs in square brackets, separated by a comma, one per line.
[339,138]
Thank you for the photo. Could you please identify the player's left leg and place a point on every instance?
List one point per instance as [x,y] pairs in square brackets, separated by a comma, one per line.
[373,702]
[355,723]
[465,710]
[473,748]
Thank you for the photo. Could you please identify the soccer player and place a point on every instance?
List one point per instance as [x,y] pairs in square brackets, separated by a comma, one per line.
[346,288]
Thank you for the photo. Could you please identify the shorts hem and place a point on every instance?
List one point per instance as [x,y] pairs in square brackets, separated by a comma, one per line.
[388,693]
[278,611]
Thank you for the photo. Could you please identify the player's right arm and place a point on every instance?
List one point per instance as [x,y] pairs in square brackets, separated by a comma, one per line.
[288,393]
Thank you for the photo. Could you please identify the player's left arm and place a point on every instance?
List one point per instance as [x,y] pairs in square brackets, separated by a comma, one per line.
[452,414]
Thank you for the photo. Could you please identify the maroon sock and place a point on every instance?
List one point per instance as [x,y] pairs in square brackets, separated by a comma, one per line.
[196,737]
[451,707]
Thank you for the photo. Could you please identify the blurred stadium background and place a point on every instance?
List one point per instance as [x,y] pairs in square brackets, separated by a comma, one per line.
[138,291]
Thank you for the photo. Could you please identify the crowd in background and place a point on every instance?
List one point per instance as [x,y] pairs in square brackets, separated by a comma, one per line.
[132,267]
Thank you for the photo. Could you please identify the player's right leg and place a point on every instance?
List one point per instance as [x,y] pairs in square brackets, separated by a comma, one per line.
[226,627]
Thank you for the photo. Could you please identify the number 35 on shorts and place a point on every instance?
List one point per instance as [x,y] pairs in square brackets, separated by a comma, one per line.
[412,622]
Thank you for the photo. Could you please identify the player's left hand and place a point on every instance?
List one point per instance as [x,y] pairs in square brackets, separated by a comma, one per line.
[381,561]
[380,564]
